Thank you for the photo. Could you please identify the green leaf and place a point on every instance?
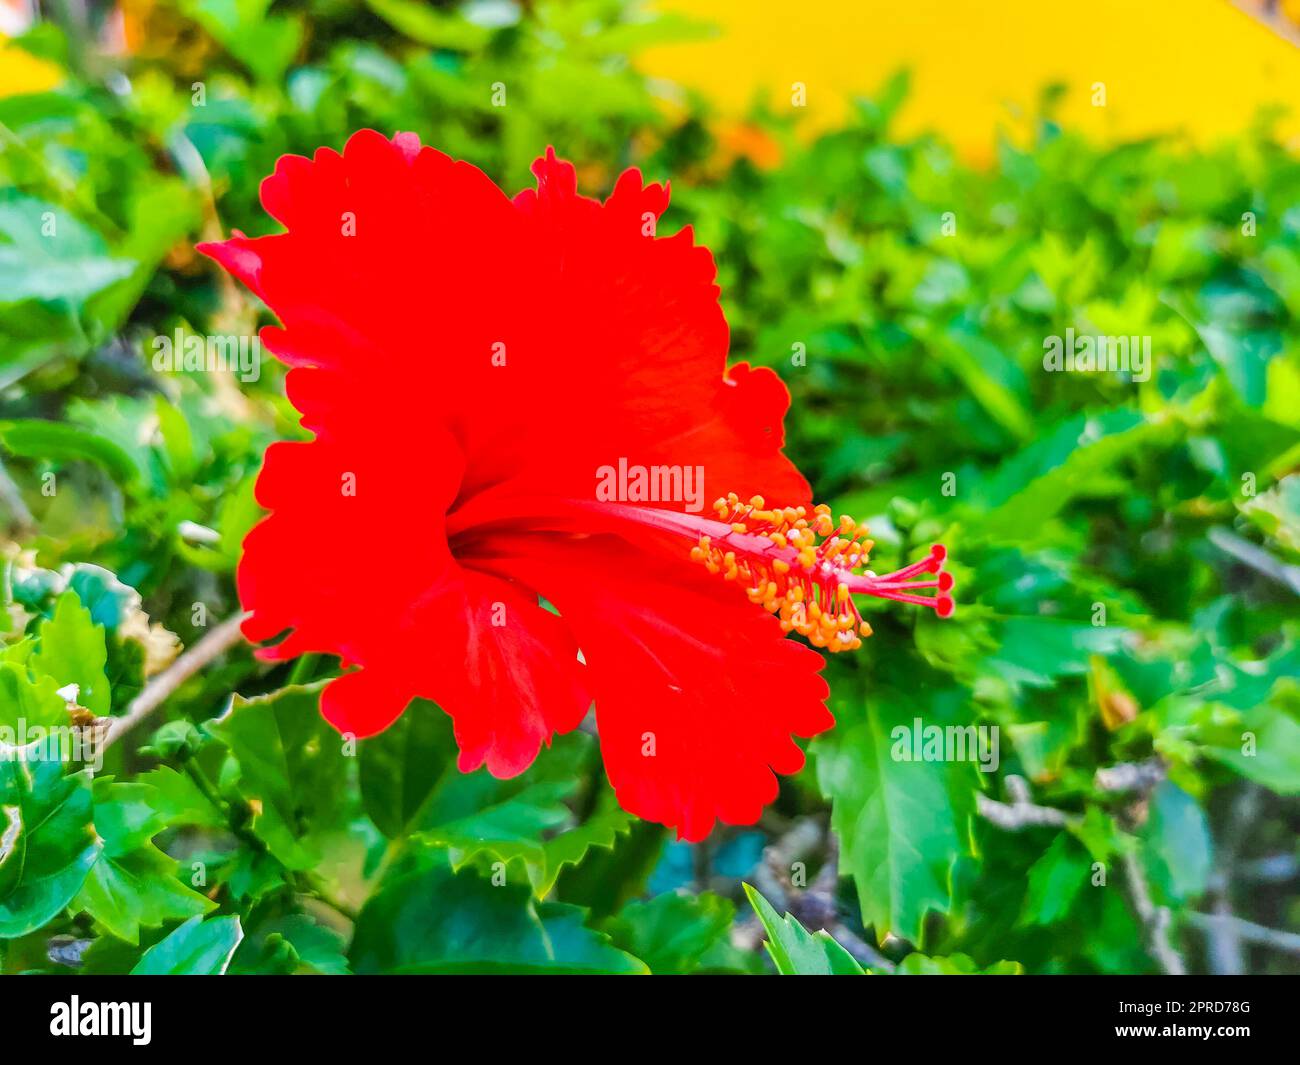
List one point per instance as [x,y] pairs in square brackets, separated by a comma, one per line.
[50,255]
[58,441]
[177,800]
[996,382]
[1054,882]
[1073,460]
[1264,747]
[425,918]
[600,831]
[1037,651]
[954,965]
[312,948]
[72,651]
[127,815]
[428,25]
[263,42]
[26,703]
[795,951]
[47,844]
[901,823]
[410,785]
[402,765]
[508,826]
[197,948]
[1178,850]
[674,933]
[139,889]
[290,761]
[134,884]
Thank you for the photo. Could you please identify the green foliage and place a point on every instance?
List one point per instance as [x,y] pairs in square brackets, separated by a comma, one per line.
[428,919]
[47,845]
[798,953]
[197,948]
[1127,550]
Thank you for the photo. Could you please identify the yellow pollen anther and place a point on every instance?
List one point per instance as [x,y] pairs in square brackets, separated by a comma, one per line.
[805,568]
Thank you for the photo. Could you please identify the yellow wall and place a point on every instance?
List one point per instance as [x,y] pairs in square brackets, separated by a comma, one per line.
[22,72]
[1198,66]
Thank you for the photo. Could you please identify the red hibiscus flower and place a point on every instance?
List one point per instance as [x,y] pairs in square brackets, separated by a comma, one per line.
[518,402]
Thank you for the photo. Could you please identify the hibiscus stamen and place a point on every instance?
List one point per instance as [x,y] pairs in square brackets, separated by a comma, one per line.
[804,568]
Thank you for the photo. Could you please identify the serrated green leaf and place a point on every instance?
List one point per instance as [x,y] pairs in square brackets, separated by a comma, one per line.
[425,918]
[27,702]
[600,831]
[133,883]
[797,952]
[901,823]
[138,889]
[290,761]
[311,947]
[178,801]
[673,933]
[72,651]
[47,844]
[410,785]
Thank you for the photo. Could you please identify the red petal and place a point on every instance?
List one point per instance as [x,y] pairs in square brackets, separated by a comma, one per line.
[416,622]
[697,691]
[364,702]
[352,544]
[400,260]
[506,670]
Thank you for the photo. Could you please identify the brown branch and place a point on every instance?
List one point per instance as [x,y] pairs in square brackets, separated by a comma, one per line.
[1288,942]
[212,645]
[1155,919]
[1130,776]
[1021,812]
[1223,941]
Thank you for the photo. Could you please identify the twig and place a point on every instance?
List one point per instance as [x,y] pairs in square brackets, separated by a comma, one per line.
[1021,813]
[1256,558]
[1223,941]
[212,645]
[1130,776]
[1155,919]
[1288,942]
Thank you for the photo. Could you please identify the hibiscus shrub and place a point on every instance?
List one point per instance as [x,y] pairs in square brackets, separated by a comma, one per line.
[1120,667]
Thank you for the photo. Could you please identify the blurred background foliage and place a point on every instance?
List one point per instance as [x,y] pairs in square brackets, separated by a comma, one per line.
[1128,553]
